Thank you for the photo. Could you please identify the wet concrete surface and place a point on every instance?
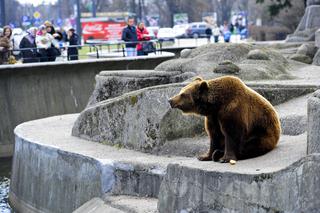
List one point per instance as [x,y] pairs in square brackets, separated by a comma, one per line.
[5,173]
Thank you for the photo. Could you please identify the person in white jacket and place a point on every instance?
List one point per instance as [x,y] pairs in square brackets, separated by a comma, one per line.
[49,47]
[216,33]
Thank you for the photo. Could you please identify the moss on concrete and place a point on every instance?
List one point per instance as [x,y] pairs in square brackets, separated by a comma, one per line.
[133,100]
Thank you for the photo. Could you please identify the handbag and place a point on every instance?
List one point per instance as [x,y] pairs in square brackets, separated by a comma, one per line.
[148,47]
[56,51]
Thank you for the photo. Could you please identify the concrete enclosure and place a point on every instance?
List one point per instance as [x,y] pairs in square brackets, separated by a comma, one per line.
[33,91]
[314,123]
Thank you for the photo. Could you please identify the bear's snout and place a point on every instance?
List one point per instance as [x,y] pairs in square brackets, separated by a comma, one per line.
[171,103]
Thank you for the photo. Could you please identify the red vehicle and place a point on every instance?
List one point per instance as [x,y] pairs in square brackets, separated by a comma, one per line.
[101,28]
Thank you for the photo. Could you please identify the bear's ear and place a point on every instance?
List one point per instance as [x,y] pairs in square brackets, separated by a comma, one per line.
[198,78]
[203,86]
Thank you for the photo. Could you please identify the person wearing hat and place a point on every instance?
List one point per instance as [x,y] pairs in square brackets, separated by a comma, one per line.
[73,40]
[47,45]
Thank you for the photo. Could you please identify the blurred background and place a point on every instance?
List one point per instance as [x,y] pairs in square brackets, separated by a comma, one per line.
[265,20]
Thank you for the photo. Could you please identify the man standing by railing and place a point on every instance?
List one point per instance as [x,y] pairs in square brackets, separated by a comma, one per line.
[129,34]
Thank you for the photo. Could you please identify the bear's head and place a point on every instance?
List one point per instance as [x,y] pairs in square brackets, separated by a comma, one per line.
[191,98]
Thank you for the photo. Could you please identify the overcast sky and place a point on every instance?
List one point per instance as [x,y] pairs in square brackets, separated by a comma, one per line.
[37,2]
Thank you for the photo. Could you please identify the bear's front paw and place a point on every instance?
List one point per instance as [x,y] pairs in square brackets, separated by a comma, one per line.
[227,159]
[217,154]
[205,157]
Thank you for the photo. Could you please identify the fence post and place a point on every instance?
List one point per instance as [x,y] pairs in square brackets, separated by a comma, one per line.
[123,51]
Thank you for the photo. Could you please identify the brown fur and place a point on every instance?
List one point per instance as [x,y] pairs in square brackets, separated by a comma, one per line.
[240,123]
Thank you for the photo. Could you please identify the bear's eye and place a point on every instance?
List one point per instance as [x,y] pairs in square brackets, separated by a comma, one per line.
[183,95]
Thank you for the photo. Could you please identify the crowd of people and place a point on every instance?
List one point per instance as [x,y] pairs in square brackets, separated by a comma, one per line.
[38,45]
[137,39]
[45,43]
[225,30]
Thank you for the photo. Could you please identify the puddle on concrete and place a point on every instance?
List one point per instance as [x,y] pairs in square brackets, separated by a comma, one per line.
[5,172]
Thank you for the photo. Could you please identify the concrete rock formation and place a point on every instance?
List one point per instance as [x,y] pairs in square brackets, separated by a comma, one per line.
[308,49]
[317,42]
[185,53]
[308,25]
[130,152]
[258,54]
[227,67]
[316,58]
[205,61]
[110,84]
[282,180]
[305,53]
[301,58]
[150,122]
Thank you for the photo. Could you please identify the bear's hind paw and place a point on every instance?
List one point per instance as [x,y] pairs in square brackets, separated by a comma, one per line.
[205,157]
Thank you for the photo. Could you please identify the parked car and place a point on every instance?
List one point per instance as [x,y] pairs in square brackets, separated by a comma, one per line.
[180,30]
[166,34]
[197,30]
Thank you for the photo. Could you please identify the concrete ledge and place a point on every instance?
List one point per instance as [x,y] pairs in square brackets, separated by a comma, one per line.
[52,174]
[55,172]
[119,204]
[187,188]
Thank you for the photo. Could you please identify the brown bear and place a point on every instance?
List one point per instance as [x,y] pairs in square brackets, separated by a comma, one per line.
[240,123]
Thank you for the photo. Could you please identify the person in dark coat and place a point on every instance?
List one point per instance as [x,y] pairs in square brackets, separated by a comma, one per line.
[208,33]
[29,41]
[73,39]
[129,34]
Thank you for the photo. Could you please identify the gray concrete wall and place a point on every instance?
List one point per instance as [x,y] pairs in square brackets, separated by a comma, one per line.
[78,178]
[32,91]
[294,189]
[53,175]
[314,123]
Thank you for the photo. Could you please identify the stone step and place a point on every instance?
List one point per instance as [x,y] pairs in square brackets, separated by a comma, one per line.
[96,205]
[119,204]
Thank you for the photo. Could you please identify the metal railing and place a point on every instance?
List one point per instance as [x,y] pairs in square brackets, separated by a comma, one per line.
[97,48]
